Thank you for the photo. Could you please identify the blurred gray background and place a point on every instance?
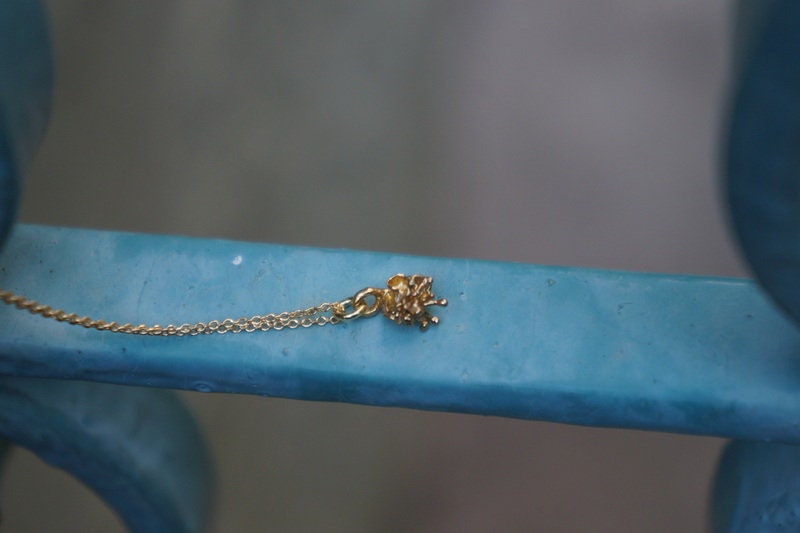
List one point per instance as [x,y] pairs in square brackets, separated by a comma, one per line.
[570,132]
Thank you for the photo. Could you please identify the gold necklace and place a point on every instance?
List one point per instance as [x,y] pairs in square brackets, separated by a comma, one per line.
[404,301]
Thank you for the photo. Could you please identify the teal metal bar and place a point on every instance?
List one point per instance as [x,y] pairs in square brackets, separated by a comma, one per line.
[676,353]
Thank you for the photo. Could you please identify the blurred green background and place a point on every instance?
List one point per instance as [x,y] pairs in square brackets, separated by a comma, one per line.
[559,132]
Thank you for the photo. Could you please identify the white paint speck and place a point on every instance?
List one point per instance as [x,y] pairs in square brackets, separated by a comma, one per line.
[237,260]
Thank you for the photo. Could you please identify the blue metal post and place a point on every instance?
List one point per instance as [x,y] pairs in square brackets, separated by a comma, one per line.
[138,448]
[757,485]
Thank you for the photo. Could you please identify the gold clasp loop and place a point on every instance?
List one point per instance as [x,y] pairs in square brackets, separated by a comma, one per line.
[368,309]
[360,304]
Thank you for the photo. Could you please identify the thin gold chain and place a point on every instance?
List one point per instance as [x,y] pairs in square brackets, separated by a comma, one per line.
[318,315]
[404,302]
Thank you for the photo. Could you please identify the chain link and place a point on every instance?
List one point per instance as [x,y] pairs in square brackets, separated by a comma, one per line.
[318,315]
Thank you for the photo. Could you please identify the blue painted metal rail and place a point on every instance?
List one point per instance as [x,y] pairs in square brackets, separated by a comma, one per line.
[695,355]
[675,353]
